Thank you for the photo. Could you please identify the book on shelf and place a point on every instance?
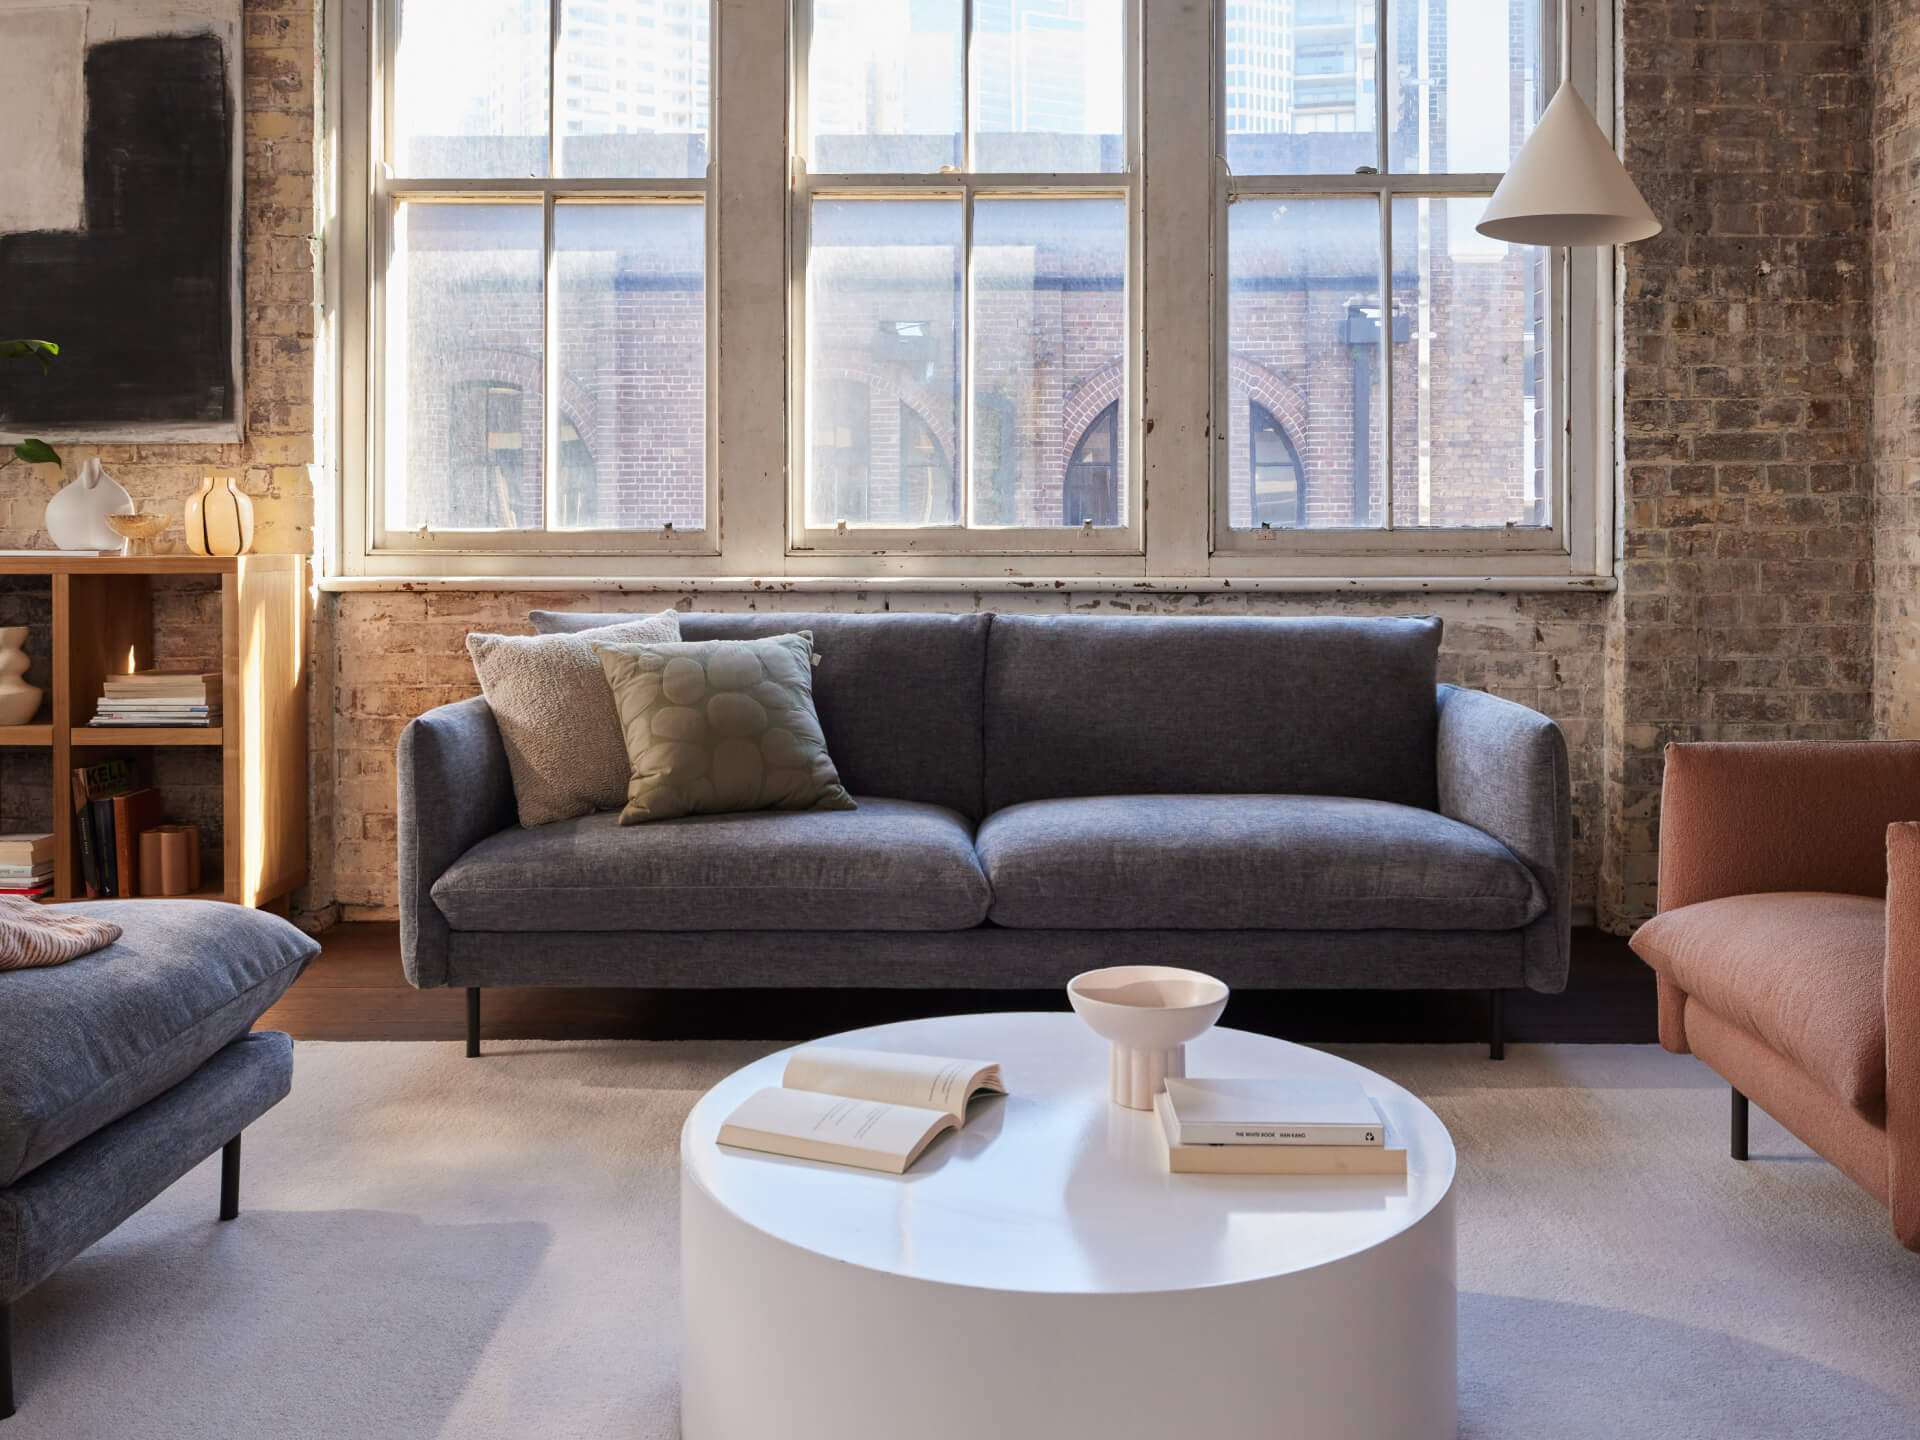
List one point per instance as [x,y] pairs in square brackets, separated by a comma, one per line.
[152,719]
[26,851]
[1273,1111]
[1386,1159]
[159,697]
[94,787]
[865,1108]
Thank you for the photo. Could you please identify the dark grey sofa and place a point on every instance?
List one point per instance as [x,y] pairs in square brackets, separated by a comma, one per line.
[1281,802]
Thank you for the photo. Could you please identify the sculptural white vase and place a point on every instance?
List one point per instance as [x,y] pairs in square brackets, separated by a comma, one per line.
[76,517]
[19,701]
[1147,1013]
[219,518]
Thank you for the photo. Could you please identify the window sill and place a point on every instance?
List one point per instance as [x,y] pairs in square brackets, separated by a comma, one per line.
[983,584]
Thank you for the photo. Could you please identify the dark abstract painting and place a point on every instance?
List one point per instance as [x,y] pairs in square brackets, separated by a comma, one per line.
[118,220]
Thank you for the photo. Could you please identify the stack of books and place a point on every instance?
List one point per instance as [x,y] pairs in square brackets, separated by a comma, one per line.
[1275,1127]
[160,697]
[26,865]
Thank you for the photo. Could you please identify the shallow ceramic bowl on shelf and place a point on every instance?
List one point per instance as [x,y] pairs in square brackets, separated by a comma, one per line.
[1147,1013]
[138,530]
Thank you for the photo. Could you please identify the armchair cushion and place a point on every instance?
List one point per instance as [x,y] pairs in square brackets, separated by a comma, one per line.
[1800,971]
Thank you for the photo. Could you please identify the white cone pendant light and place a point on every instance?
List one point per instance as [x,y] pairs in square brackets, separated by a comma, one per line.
[1567,187]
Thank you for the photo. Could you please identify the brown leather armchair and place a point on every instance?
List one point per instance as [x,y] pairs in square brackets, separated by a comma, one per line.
[1788,945]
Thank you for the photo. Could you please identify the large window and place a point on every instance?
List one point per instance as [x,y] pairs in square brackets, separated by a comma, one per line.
[1398,366]
[963,225]
[539,228]
[1008,289]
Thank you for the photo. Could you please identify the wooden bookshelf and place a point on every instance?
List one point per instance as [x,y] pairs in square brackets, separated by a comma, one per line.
[103,625]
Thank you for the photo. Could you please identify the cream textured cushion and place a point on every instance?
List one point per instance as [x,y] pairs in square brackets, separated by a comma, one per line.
[716,726]
[556,716]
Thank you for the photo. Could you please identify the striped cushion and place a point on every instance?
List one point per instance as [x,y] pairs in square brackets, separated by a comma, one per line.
[31,934]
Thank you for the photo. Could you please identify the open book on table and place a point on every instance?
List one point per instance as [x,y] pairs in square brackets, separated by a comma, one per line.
[867,1108]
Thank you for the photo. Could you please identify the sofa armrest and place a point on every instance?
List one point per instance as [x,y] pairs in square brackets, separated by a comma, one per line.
[454,791]
[1503,769]
[1903,1030]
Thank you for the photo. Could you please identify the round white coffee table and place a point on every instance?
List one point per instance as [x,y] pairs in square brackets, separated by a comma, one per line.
[1039,1274]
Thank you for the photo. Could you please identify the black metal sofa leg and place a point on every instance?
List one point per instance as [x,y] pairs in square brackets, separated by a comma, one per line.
[1496,1024]
[230,1179]
[473,1022]
[1738,1129]
[6,1360]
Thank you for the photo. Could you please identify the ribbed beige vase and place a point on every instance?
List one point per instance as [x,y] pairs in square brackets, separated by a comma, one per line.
[219,518]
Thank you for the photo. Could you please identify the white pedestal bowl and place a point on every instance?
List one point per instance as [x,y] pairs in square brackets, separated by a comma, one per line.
[1147,1013]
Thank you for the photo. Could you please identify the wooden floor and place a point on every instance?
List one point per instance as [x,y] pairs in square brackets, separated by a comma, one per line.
[356,991]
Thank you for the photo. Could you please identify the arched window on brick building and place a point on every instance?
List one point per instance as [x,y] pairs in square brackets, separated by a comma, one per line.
[1275,467]
[578,493]
[1092,489]
[486,469]
[928,495]
[842,450]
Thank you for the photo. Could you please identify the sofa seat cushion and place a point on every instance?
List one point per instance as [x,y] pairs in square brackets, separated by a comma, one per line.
[1802,972]
[1248,862]
[889,865]
[83,1043]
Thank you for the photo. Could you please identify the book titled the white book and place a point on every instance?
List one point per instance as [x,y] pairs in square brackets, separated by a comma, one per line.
[867,1108]
[1273,1112]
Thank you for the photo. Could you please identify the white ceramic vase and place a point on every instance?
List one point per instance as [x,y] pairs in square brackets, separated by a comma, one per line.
[219,519]
[1147,1013]
[76,517]
[19,701]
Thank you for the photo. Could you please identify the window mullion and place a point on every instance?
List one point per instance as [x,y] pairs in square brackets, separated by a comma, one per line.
[550,362]
[550,273]
[963,422]
[1382,150]
[1386,357]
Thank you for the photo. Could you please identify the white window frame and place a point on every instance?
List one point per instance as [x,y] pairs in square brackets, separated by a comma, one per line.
[1570,543]
[382,192]
[756,194]
[966,187]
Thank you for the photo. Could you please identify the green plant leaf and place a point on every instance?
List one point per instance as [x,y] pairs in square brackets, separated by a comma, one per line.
[36,452]
[41,350]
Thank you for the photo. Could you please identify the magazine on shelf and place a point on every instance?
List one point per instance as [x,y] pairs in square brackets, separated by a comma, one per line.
[866,1108]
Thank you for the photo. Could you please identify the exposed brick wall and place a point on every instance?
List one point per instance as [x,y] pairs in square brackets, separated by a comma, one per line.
[1746,593]
[1896,369]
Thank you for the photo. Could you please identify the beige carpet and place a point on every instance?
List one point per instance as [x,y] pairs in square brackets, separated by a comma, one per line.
[438,1247]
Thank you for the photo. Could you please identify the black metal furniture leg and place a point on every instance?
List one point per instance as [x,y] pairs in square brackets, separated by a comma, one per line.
[1739,1127]
[6,1360]
[230,1179]
[1496,1024]
[473,1022]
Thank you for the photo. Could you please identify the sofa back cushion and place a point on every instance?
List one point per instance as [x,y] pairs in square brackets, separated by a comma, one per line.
[1136,705]
[899,696]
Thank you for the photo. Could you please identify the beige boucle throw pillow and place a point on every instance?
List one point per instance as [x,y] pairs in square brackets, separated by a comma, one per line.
[33,935]
[556,716]
[717,726]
